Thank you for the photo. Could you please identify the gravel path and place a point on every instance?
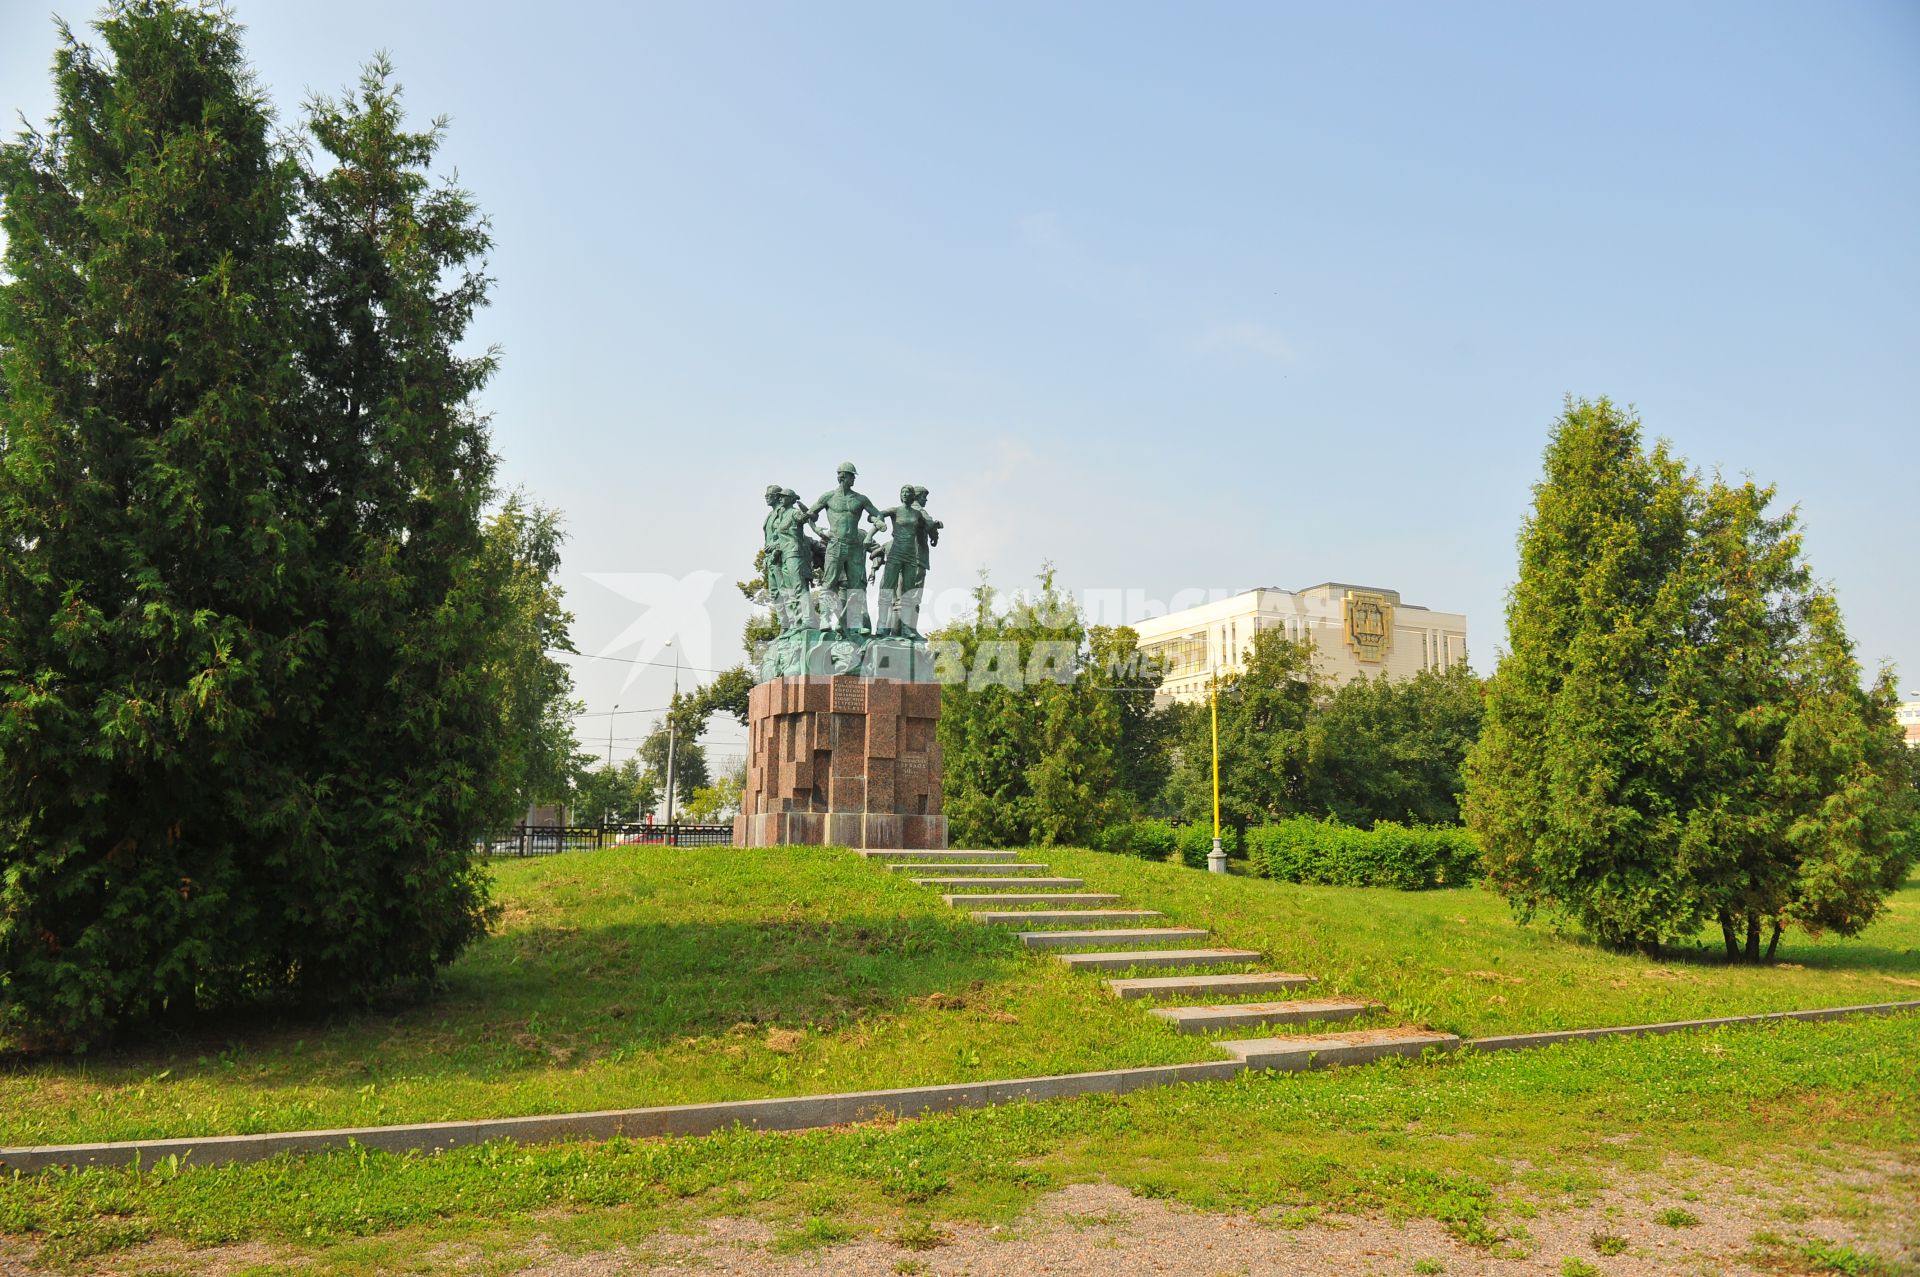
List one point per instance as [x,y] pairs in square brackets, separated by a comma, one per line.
[1755,1221]
[1102,1229]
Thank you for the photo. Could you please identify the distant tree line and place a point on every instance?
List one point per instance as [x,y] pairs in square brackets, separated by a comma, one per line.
[1057,762]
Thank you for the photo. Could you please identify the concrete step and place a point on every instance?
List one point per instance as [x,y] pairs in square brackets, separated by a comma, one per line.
[1048,917]
[1120,961]
[1321,1049]
[1188,986]
[1011,884]
[1260,1015]
[970,857]
[1117,935]
[966,867]
[960,901]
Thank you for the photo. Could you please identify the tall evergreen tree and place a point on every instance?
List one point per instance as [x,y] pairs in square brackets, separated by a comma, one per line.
[249,636]
[1028,740]
[153,626]
[1678,734]
[1143,757]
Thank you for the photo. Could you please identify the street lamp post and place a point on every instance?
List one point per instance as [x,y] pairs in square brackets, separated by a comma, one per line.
[670,732]
[1216,858]
[604,813]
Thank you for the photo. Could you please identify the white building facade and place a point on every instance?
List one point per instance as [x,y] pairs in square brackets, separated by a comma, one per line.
[1356,632]
[1908,713]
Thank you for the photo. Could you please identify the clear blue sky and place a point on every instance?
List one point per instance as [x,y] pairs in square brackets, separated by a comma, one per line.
[1173,295]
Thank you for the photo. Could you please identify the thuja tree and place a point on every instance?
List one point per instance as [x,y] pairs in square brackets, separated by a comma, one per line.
[1678,736]
[1030,736]
[252,687]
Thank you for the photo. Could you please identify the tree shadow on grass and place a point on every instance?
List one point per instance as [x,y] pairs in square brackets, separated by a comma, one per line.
[530,999]
[1823,955]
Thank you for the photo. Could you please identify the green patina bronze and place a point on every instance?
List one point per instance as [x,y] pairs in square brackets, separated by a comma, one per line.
[832,630]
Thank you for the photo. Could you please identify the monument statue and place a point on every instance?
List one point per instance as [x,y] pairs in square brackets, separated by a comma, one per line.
[788,563]
[835,632]
[843,742]
[843,607]
[904,556]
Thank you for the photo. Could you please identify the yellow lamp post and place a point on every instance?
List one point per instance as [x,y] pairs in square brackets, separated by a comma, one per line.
[1217,858]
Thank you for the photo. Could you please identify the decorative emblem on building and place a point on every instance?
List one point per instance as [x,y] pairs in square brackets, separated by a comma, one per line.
[1369,625]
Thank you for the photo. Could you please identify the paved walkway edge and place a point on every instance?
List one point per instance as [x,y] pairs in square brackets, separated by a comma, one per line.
[795,1114]
[799,1113]
[1529,1041]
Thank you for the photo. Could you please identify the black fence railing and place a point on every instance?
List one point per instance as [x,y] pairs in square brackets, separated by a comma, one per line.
[547,840]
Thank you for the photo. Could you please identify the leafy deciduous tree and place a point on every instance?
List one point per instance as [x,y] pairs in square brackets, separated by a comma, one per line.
[1264,708]
[1381,749]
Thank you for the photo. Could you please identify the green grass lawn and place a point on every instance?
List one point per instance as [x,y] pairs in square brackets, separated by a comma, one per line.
[1456,960]
[1479,1143]
[643,976]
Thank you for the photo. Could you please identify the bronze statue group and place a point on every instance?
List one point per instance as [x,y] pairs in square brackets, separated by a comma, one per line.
[798,552]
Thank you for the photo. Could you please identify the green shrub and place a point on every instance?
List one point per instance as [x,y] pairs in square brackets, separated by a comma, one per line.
[1195,841]
[1147,839]
[1409,857]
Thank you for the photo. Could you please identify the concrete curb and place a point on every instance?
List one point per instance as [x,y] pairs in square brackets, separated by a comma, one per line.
[791,1114]
[799,1113]
[1531,1041]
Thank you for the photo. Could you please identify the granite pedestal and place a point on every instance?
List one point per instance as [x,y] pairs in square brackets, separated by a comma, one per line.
[842,760]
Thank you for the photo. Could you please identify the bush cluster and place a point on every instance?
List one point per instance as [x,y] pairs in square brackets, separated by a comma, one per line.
[1409,857]
[1147,839]
[1160,840]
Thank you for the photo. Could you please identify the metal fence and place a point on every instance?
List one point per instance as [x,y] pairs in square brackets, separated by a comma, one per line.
[546,840]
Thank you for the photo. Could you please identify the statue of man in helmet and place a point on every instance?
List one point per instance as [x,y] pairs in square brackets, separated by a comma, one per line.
[843,577]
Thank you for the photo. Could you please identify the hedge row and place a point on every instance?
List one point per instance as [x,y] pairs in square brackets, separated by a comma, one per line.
[1411,858]
[1301,849]
[1158,840]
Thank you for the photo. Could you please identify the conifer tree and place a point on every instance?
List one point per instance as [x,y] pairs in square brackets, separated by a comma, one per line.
[1028,741]
[251,637]
[153,624]
[1677,735]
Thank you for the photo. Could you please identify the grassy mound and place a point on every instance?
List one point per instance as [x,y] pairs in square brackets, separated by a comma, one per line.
[649,975]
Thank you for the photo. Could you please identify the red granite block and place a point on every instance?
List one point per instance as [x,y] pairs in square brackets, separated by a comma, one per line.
[883,698]
[819,696]
[920,700]
[849,694]
[880,785]
[880,830]
[849,794]
[883,735]
[848,760]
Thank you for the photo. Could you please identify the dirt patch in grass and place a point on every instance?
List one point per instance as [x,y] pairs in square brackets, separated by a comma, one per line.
[1778,1217]
[1756,1222]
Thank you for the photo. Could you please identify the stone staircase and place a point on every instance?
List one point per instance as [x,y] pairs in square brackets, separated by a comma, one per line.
[1093,931]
